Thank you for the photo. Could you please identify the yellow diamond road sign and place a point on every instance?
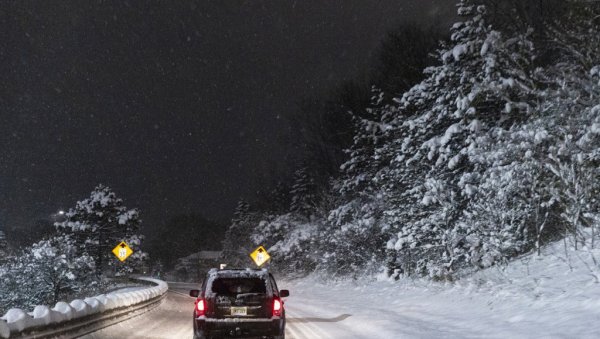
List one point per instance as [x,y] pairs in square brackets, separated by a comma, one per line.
[260,256]
[122,251]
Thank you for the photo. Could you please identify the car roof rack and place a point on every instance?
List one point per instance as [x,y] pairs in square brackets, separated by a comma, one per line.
[215,270]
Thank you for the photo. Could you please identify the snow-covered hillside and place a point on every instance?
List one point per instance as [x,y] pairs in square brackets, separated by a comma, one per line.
[556,295]
[495,152]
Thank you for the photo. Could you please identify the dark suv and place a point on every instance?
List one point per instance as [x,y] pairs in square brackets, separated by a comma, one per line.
[239,303]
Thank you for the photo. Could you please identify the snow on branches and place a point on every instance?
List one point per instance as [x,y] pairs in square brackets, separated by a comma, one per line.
[495,153]
[46,272]
[99,223]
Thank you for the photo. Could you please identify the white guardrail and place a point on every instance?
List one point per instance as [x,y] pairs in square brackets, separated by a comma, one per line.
[78,315]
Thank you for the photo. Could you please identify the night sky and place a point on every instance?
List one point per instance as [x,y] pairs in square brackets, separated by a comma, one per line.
[179,106]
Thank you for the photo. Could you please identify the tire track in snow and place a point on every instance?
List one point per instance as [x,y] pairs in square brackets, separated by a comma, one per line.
[291,333]
[300,330]
[302,325]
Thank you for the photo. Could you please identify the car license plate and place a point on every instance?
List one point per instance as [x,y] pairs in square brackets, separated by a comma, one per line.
[239,310]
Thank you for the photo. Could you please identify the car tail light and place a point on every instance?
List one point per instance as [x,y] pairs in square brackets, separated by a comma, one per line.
[277,307]
[200,307]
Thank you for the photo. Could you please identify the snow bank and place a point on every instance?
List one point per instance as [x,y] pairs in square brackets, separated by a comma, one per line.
[65,309]
[4,330]
[17,320]
[556,295]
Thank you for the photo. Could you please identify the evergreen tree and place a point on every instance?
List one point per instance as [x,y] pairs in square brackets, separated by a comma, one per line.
[101,222]
[289,239]
[238,244]
[574,158]
[279,198]
[3,245]
[303,193]
[484,82]
[541,176]
[488,157]
[371,132]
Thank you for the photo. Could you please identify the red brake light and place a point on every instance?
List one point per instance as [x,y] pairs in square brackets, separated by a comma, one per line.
[277,307]
[200,307]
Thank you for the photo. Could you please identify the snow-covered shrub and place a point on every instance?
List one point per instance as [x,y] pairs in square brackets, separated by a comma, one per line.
[353,242]
[45,273]
[289,239]
[574,162]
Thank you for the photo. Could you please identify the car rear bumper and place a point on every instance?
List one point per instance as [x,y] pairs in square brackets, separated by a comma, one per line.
[239,327]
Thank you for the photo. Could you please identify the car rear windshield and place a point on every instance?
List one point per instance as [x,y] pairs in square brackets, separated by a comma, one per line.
[234,286]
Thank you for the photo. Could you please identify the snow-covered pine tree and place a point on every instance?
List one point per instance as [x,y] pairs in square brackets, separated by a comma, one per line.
[484,82]
[541,176]
[508,210]
[137,260]
[355,221]
[238,244]
[101,222]
[279,199]
[303,193]
[573,104]
[290,240]
[359,170]
[3,245]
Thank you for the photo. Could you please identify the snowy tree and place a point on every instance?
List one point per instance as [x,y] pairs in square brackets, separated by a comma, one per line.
[573,102]
[3,245]
[290,240]
[493,154]
[574,160]
[48,271]
[354,241]
[238,244]
[353,220]
[484,82]
[541,176]
[304,193]
[101,222]
[496,219]
[137,260]
[295,239]
[279,199]
[414,165]
[363,163]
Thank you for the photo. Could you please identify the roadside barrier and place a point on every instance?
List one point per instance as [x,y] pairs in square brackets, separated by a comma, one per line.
[80,317]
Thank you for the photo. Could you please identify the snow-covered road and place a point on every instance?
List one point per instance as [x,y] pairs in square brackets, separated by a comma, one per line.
[173,320]
[342,312]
